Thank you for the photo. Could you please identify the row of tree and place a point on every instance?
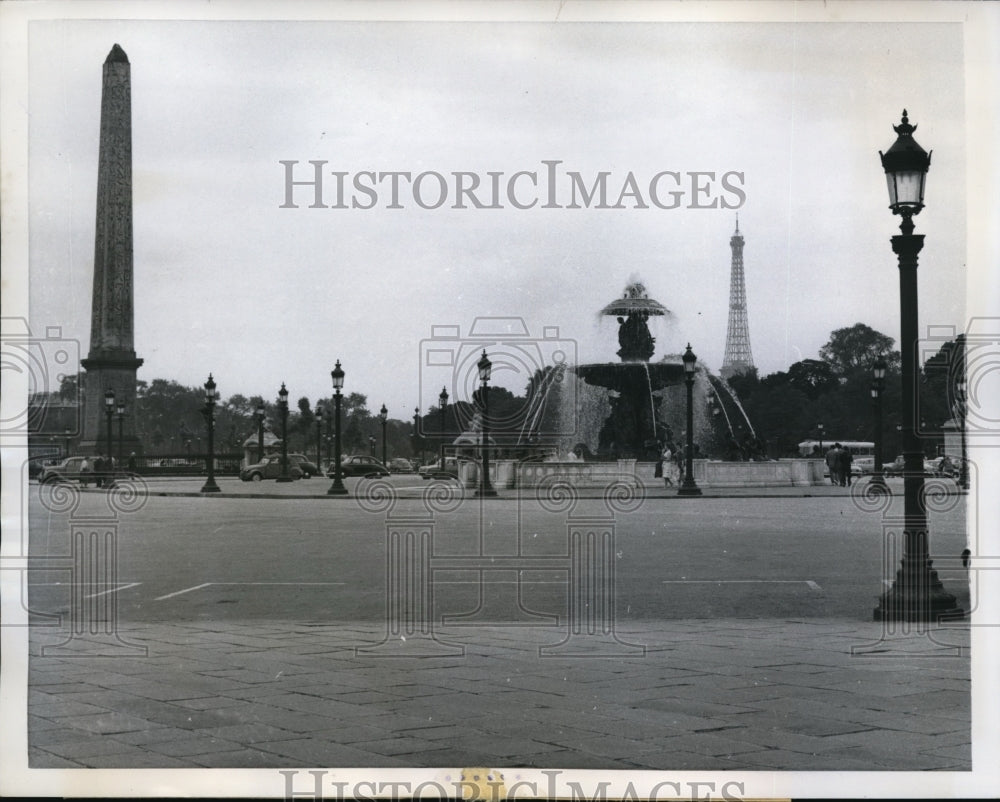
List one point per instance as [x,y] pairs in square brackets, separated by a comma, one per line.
[834,390]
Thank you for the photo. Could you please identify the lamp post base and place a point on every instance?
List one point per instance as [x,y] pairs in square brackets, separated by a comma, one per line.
[210,487]
[485,492]
[337,490]
[688,488]
[917,595]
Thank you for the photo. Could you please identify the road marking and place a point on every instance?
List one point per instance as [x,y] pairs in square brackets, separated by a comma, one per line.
[808,582]
[113,590]
[207,584]
[186,590]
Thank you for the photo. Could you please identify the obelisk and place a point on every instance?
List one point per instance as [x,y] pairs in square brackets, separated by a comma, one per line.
[111,363]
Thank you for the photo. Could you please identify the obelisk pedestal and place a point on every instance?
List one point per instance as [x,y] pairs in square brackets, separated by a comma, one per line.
[111,363]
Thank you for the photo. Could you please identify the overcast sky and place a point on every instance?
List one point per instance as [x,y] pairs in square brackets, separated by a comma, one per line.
[227,281]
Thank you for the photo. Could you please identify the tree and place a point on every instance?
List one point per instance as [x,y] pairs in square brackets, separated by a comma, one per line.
[856,347]
[812,377]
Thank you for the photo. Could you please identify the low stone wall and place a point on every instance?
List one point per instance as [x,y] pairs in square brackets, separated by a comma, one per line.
[510,474]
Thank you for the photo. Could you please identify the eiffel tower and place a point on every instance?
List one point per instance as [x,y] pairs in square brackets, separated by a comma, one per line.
[738,358]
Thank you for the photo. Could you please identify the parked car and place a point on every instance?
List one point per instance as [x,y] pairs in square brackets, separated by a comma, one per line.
[68,470]
[895,468]
[400,465]
[451,468]
[269,468]
[360,465]
[307,467]
[861,466]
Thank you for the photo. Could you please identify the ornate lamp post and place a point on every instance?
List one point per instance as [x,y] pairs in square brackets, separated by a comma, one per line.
[120,410]
[916,594]
[261,412]
[337,488]
[418,451]
[819,428]
[211,397]
[485,368]
[283,407]
[688,486]
[383,415]
[877,484]
[109,409]
[319,436]
[443,404]
[963,469]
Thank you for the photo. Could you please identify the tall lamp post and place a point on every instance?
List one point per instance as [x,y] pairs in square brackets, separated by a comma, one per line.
[120,410]
[916,594]
[877,484]
[819,428]
[261,412]
[109,409]
[383,415]
[963,469]
[319,436]
[485,368]
[211,397]
[443,404]
[337,488]
[688,486]
[418,451]
[283,407]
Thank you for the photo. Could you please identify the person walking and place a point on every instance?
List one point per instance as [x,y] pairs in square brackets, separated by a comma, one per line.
[85,472]
[833,463]
[666,465]
[846,464]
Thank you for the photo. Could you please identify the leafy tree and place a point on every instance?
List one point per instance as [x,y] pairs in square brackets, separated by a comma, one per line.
[812,377]
[856,347]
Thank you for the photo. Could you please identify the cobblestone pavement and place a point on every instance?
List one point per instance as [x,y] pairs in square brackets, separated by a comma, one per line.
[747,694]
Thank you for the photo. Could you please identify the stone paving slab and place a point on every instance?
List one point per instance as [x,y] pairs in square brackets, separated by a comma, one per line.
[709,694]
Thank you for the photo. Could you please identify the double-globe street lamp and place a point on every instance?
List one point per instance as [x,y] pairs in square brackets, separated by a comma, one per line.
[485,367]
[211,398]
[337,488]
[120,410]
[109,408]
[443,405]
[319,436]
[283,407]
[916,593]
[261,412]
[688,486]
[877,484]
[383,415]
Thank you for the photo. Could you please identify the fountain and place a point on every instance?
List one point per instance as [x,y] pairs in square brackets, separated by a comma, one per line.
[622,413]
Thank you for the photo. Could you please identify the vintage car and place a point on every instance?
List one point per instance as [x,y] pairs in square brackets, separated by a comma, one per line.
[360,465]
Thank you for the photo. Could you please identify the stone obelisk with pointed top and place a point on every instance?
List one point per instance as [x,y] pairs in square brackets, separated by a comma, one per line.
[112,363]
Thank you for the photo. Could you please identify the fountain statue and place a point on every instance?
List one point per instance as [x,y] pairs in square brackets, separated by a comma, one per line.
[632,408]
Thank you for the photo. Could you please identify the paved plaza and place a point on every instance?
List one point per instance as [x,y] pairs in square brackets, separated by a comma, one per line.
[260,632]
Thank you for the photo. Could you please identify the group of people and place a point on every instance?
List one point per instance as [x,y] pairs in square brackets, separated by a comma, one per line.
[840,461]
[669,464]
[101,468]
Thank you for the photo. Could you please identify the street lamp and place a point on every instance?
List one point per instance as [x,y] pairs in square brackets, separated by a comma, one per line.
[963,469]
[211,397]
[283,407]
[120,410]
[443,403]
[261,412]
[688,486]
[319,436]
[109,408]
[383,415]
[418,451]
[877,484]
[371,445]
[916,594]
[819,428]
[485,367]
[337,488]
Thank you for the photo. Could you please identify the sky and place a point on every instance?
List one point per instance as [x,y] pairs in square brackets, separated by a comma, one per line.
[228,282]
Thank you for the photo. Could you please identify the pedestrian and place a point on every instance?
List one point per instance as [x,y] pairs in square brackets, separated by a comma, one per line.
[833,463]
[99,471]
[666,465]
[85,472]
[846,463]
